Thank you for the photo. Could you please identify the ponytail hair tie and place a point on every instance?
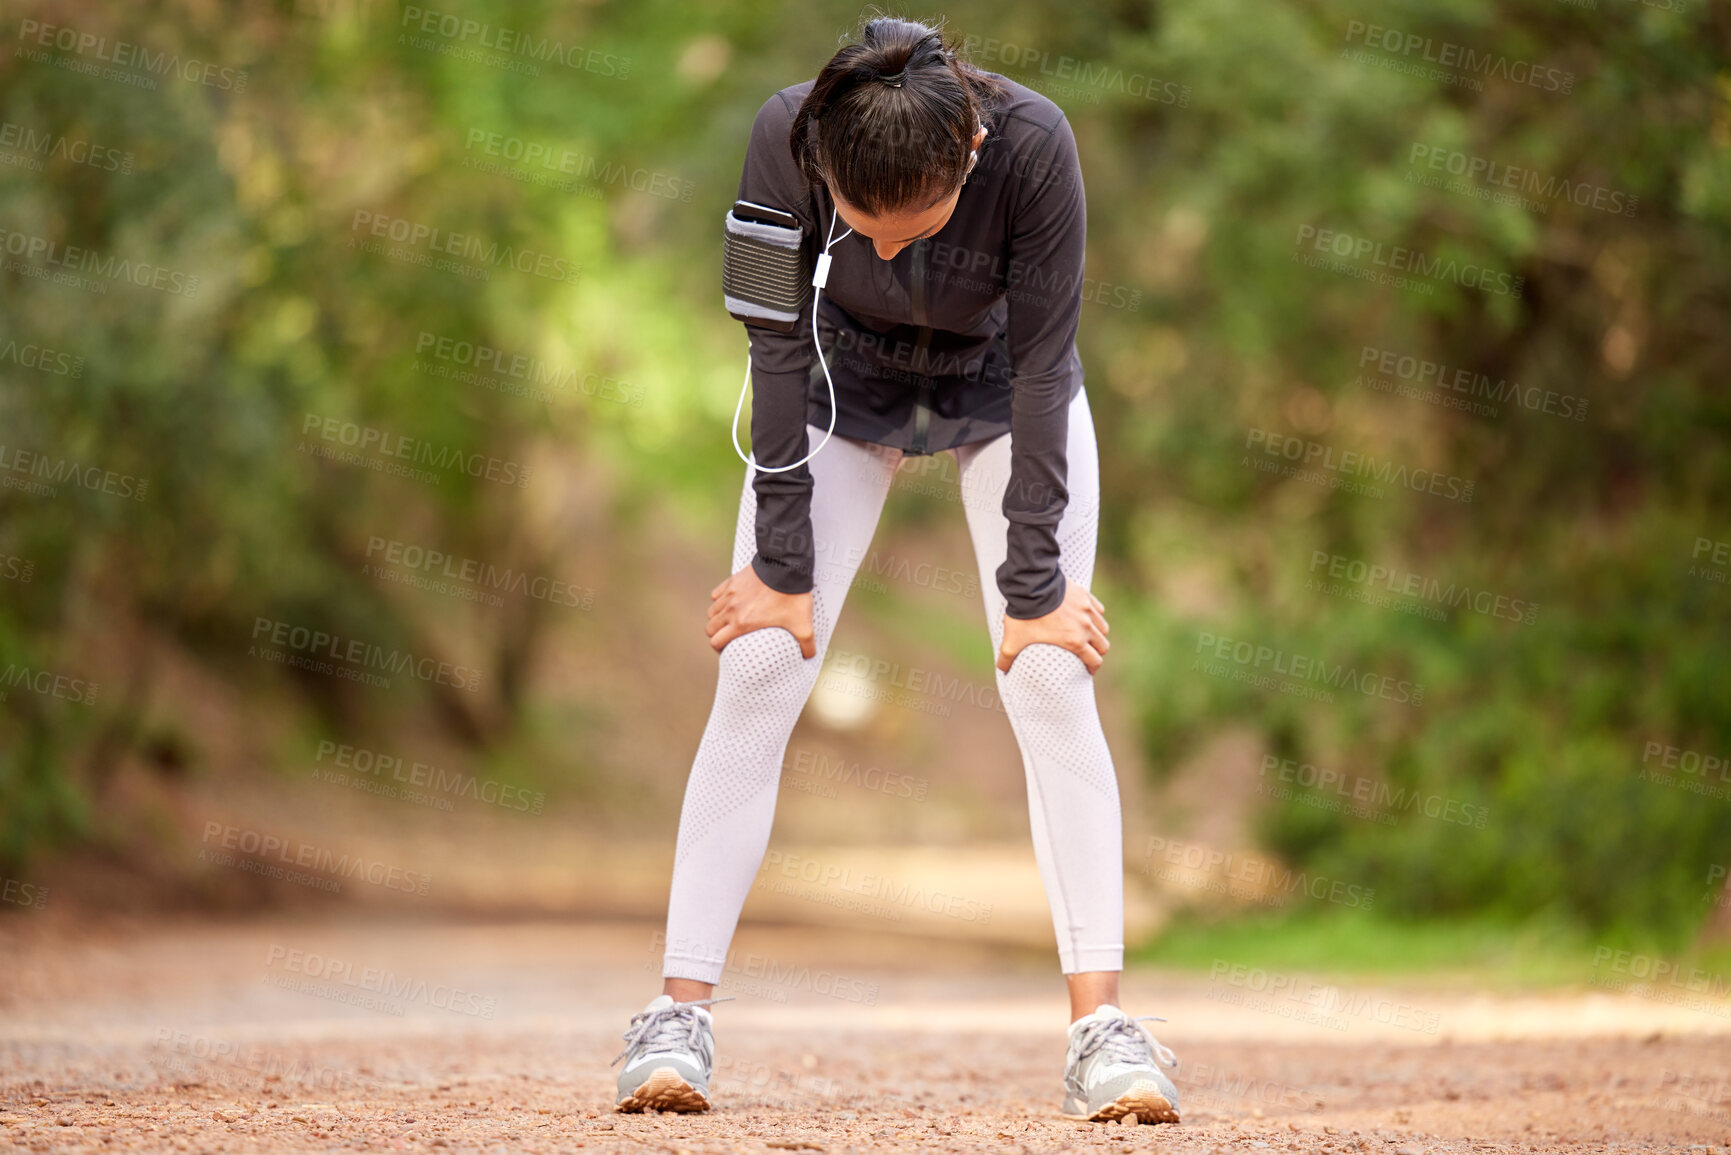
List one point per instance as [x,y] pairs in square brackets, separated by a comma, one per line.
[894,80]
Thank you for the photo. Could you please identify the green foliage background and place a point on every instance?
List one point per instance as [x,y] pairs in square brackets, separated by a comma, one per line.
[1194,206]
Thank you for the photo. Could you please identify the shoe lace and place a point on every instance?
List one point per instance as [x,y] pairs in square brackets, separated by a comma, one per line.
[666,1028]
[1124,1041]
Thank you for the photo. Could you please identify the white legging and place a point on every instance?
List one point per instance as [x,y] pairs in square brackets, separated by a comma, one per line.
[764,683]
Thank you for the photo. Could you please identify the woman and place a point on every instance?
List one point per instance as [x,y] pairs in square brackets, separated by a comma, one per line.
[949,313]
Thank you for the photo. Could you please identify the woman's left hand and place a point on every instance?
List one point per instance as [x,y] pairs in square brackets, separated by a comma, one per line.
[1078,625]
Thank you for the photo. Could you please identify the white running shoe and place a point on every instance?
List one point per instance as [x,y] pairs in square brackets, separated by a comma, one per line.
[670,1054]
[1110,1070]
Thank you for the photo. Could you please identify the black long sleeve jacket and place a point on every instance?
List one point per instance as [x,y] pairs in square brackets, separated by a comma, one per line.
[963,336]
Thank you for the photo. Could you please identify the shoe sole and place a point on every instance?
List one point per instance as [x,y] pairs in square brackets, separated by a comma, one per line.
[1143,1100]
[664,1090]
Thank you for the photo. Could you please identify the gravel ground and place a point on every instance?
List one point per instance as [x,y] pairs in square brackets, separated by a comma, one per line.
[322,1036]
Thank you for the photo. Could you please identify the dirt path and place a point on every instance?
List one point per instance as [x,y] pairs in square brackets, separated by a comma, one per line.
[318,1036]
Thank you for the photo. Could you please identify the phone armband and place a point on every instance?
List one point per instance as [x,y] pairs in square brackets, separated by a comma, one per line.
[765,280]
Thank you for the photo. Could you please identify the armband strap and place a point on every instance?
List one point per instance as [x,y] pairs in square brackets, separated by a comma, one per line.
[764,281]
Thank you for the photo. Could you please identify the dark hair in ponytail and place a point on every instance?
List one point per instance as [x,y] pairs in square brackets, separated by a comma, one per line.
[891,119]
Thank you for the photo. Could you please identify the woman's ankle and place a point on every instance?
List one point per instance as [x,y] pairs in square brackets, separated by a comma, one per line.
[687,990]
[1088,990]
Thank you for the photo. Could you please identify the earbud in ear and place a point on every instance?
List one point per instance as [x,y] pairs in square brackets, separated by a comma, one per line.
[973,156]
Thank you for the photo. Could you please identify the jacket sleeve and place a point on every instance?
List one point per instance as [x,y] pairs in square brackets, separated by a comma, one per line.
[780,363]
[1048,234]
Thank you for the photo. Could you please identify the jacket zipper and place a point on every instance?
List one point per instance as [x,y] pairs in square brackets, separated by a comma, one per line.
[923,404]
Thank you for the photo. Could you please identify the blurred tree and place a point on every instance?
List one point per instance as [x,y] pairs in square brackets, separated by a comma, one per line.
[368,195]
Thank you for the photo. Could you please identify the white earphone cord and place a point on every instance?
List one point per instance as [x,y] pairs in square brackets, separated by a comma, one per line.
[819,277]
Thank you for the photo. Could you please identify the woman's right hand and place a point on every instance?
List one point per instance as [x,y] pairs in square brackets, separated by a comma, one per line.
[743,603]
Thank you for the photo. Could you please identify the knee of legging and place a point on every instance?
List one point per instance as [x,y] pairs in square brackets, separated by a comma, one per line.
[764,670]
[1047,683]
